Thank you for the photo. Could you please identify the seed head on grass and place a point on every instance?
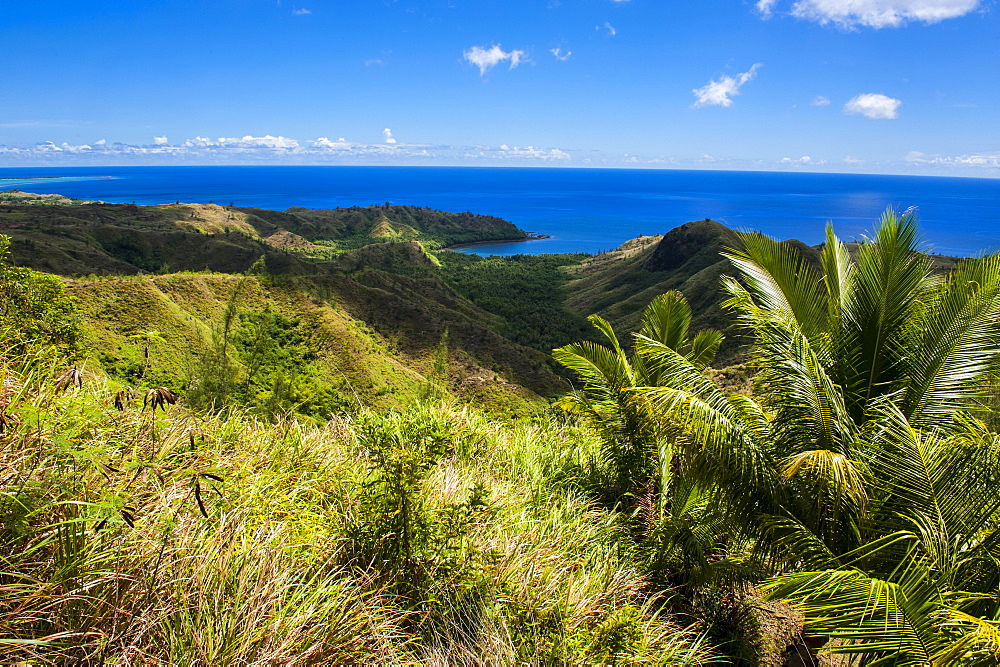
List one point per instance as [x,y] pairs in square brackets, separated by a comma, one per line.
[71,377]
[158,397]
[122,397]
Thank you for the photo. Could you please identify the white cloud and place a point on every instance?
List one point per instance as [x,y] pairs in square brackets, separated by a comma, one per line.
[874,105]
[374,61]
[820,101]
[560,55]
[878,13]
[325,143]
[719,91]
[487,59]
[533,153]
[51,147]
[387,133]
[247,141]
[159,141]
[984,159]
[301,12]
[852,160]
[610,28]
[766,7]
[804,160]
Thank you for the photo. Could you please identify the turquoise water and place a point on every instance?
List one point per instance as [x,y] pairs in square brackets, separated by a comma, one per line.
[583,210]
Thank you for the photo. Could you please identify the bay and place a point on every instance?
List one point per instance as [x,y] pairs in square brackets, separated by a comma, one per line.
[582,210]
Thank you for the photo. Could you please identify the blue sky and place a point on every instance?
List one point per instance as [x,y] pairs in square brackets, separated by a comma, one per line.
[886,86]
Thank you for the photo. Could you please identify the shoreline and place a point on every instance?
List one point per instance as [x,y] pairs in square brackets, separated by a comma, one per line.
[531,236]
[31,178]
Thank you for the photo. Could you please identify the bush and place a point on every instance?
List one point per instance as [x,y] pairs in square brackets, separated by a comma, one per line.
[35,310]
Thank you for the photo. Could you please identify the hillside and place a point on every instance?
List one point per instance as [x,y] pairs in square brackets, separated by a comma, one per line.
[382,324]
[79,238]
[619,284]
[375,339]
[334,467]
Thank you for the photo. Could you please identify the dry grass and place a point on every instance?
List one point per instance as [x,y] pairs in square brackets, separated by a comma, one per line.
[154,535]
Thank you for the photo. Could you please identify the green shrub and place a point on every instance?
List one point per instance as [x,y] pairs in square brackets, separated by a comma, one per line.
[35,310]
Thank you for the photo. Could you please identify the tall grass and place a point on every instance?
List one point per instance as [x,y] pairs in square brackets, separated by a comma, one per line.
[160,535]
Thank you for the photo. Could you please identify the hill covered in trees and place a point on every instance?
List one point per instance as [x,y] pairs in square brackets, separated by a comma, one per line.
[348,454]
[77,238]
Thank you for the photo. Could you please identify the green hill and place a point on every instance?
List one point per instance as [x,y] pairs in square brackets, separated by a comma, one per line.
[382,324]
[79,238]
[618,285]
[332,464]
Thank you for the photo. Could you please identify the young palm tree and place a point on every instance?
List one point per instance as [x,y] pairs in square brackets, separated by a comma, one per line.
[674,515]
[632,440]
[859,462]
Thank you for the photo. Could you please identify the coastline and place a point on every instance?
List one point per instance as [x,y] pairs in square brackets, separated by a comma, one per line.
[531,236]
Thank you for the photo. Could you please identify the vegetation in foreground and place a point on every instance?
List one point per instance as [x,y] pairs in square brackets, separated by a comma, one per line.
[849,492]
[859,480]
[149,533]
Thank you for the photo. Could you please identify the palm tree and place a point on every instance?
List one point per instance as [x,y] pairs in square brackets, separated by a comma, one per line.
[858,466]
[672,515]
[632,440]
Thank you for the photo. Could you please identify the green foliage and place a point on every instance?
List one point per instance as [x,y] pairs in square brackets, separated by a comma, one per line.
[262,360]
[527,291]
[858,469]
[636,445]
[35,310]
[396,531]
[429,536]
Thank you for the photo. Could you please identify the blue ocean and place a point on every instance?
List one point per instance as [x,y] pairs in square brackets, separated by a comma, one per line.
[582,210]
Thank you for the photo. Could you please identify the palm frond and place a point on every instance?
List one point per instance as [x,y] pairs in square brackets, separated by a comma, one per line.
[704,347]
[958,339]
[728,434]
[887,622]
[809,406]
[890,281]
[597,365]
[666,319]
[978,641]
[838,276]
[781,279]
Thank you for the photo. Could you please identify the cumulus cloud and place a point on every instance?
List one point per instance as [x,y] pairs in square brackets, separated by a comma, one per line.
[558,53]
[874,105]
[989,159]
[247,141]
[802,161]
[161,140]
[820,101]
[486,59]
[301,12]
[340,144]
[873,13]
[766,7]
[719,92]
[533,153]
[270,149]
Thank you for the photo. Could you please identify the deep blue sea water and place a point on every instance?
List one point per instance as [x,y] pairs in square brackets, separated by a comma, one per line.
[584,210]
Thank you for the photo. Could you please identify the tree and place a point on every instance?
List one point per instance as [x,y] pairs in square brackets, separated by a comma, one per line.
[34,309]
[633,442]
[859,466]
